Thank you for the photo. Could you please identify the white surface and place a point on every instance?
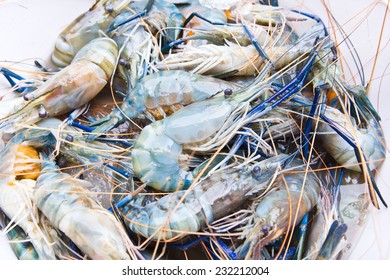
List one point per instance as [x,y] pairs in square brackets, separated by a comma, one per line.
[30,27]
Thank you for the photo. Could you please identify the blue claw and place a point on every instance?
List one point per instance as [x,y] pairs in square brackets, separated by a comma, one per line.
[302,237]
[226,249]
[76,251]
[307,128]
[256,44]
[172,44]
[192,15]
[118,170]
[89,129]
[187,245]
[287,255]
[314,17]
[318,20]
[9,75]
[81,126]
[335,234]
[336,187]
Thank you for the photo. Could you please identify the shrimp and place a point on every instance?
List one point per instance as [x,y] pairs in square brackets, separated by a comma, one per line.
[97,160]
[342,134]
[85,28]
[240,60]
[19,166]
[64,201]
[183,212]
[68,89]
[211,59]
[292,195]
[163,90]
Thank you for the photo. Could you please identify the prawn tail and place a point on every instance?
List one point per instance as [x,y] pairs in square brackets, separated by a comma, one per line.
[105,124]
[331,246]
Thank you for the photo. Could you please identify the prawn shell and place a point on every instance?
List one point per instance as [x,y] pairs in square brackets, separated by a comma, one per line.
[103,52]
[85,28]
[67,204]
[205,118]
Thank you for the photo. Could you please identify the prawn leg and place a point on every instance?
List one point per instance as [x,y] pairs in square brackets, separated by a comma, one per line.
[306,130]
[10,75]
[189,244]
[90,129]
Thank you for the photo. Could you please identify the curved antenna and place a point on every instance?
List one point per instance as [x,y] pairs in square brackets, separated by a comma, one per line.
[355,56]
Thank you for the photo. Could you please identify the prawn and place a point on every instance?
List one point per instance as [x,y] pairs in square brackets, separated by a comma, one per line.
[180,213]
[198,30]
[20,166]
[291,194]
[240,60]
[327,235]
[84,29]
[167,90]
[64,201]
[68,89]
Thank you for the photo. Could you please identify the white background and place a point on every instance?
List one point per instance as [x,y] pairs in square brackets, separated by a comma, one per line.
[28,29]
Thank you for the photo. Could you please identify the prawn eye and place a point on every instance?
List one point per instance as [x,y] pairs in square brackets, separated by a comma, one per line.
[256,170]
[123,63]
[265,229]
[109,9]
[69,138]
[228,92]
